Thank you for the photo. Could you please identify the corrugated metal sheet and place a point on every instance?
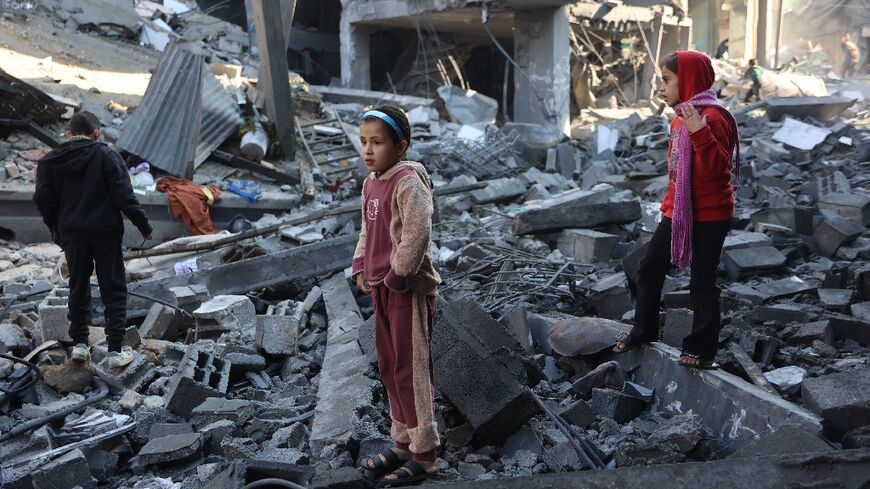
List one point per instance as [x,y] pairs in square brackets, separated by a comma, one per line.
[164,128]
[183,117]
[611,17]
[220,117]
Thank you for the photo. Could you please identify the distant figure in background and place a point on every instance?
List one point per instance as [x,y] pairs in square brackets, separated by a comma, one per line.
[722,49]
[850,49]
[754,73]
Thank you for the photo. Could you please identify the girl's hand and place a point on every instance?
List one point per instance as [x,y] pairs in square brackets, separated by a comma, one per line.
[692,119]
[362,284]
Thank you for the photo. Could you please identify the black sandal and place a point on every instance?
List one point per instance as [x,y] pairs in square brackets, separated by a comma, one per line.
[408,474]
[378,465]
[628,343]
[702,364]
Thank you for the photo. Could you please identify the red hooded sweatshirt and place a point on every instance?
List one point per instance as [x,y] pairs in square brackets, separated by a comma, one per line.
[713,145]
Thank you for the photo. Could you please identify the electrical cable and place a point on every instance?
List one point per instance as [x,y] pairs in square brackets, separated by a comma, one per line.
[16,388]
[273,483]
[36,423]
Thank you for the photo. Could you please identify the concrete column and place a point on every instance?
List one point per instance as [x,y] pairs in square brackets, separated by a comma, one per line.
[356,69]
[766,30]
[741,29]
[542,49]
[705,23]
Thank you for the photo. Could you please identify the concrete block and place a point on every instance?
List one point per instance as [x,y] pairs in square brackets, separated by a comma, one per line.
[809,332]
[214,409]
[744,262]
[854,329]
[160,323]
[11,338]
[189,297]
[785,287]
[611,296]
[861,311]
[159,430]
[276,335]
[68,470]
[842,399]
[135,376]
[53,312]
[836,299]
[745,239]
[215,434]
[586,245]
[199,376]
[491,393]
[226,313]
[574,209]
[834,232]
[579,413]
[683,430]
[170,448]
[854,207]
[786,380]
[610,403]
[241,363]
[678,324]
[782,313]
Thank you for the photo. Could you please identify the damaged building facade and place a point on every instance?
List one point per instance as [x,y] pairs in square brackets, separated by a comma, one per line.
[540,125]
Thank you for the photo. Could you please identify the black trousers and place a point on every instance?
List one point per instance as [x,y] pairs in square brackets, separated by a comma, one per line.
[754,91]
[707,241]
[82,257]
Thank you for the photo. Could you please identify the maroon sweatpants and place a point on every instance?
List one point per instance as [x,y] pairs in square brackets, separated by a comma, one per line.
[403,333]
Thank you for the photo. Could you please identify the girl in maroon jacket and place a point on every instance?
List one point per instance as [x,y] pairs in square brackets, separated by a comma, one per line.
[697,209]
[393,263]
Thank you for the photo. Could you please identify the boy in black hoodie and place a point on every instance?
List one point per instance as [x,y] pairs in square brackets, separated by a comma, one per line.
[82,186]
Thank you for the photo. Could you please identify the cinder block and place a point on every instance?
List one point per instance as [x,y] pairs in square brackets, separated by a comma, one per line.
[586,245]
[276,335]
[160,323]
[851,206]
[835,232]
[200,375]
[54,316]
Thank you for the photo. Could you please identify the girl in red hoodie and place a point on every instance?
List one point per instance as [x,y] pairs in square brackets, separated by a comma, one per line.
[697,209]
[393,263]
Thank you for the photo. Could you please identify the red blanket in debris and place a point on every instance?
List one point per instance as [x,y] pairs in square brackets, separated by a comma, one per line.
[189,202]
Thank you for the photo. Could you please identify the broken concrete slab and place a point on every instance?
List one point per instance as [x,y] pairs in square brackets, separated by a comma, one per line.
[842,399]
[170,448]
[733,409]
[159,323]
[608,374]
[586,245]
[253,273]
[785,287]
[71,468]
[574,209]
[836,299]
[809,332]
[745,262]
[785,440]
[343,384]
[800,135]
[611,296]
[824,108]
[491,393]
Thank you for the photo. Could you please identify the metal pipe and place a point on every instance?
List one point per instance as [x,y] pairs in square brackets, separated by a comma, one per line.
[36,423]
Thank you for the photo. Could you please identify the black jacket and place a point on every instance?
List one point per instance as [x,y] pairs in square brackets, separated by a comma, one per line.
[82,186]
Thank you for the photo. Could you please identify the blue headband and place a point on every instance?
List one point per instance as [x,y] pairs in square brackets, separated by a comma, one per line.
[386,118]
